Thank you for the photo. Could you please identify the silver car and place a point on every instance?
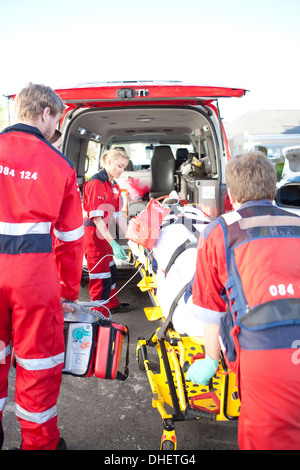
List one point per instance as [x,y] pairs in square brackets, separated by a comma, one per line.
[288,190]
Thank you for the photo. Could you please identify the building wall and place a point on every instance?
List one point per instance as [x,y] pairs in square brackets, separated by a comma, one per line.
[274,144]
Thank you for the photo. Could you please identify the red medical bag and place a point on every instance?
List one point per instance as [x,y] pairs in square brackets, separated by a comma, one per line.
[109,350]
[144,228]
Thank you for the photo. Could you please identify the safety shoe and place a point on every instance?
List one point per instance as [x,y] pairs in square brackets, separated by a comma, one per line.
[1,435]
[61,445]
[121,308]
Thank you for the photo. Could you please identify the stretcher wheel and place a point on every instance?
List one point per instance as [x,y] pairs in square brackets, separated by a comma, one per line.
[140,360]
[141,353]
[167,445]
[168,440]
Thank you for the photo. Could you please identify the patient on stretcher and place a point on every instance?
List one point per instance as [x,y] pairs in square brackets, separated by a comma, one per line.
[175,253]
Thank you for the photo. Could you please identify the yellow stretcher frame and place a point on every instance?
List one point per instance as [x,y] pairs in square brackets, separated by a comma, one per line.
[175,398]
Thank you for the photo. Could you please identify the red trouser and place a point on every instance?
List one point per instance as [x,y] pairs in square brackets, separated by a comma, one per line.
[102,269]
[270,395]
[30,306]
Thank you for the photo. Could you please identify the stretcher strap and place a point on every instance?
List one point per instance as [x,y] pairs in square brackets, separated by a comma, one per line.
[171,312]
[180,249]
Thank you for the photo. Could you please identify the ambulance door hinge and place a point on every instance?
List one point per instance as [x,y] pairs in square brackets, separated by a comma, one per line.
[130,93]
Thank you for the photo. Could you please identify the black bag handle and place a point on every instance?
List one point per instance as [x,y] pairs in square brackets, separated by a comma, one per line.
[119,375]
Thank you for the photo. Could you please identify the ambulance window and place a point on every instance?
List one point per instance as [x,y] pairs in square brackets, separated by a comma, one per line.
[93,151]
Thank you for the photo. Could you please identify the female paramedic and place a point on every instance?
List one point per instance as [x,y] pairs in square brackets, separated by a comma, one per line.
[252,255]
[103,203]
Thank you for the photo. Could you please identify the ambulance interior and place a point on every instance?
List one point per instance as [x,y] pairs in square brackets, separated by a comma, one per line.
[169,148]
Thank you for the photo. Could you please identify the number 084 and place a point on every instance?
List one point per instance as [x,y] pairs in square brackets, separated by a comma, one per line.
[281,289]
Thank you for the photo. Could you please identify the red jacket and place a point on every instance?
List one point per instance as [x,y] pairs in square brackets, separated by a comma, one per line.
[42,203]
[101,198]
[256,260]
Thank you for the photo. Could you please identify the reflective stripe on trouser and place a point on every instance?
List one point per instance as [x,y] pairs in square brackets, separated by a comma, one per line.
[103,277]
[30,307]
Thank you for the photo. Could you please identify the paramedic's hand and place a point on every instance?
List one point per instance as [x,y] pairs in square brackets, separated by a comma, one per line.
[67,308]
[202,370]
[118,250]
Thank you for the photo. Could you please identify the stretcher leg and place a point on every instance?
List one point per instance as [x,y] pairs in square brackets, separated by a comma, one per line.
[168,440]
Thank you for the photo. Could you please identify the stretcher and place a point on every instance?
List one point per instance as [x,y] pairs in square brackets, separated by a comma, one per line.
[175,398]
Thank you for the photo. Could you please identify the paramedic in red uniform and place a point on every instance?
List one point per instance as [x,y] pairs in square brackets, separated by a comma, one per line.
[260,244]
[103,203]
[39,202]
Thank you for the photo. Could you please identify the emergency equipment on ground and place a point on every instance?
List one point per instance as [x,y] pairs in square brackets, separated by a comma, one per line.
[94,343]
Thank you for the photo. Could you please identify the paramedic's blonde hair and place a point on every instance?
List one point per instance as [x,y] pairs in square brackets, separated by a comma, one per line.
[251,177]
[32,100]
[112,155]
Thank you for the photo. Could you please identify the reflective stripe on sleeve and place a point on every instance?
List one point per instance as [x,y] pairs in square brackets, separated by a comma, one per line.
[41,364]
[38,418]
[97,213]
[4,352]
[207,315]
[2,403]
[24,228]
[71,235]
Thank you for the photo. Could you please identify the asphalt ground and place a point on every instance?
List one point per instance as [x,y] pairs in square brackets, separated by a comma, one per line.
[105,415]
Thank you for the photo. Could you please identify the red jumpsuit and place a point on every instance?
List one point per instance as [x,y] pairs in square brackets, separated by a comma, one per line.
[101,199]
[41,252]
[264,247]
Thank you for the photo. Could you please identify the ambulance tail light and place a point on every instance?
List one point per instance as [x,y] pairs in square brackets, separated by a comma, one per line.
[227,204]
[210,211]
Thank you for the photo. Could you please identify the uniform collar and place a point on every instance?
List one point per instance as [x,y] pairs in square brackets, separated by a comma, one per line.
[24,128]
[104,176]
[260,202]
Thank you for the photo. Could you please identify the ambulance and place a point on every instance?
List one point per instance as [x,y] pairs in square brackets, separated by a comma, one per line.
[171,131]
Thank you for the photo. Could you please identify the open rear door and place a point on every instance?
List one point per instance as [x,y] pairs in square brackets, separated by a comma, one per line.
[130,93]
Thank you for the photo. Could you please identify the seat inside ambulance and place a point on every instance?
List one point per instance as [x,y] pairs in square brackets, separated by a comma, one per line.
[162,171]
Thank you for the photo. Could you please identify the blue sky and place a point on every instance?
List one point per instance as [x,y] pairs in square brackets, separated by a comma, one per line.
[251,44]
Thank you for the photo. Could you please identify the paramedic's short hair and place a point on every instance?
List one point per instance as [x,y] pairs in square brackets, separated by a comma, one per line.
[251,177]
[113,154]
[32,100]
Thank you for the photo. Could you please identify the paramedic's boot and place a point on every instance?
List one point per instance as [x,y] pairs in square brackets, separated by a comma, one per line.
[61,445]
[121,308]
[1,436]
